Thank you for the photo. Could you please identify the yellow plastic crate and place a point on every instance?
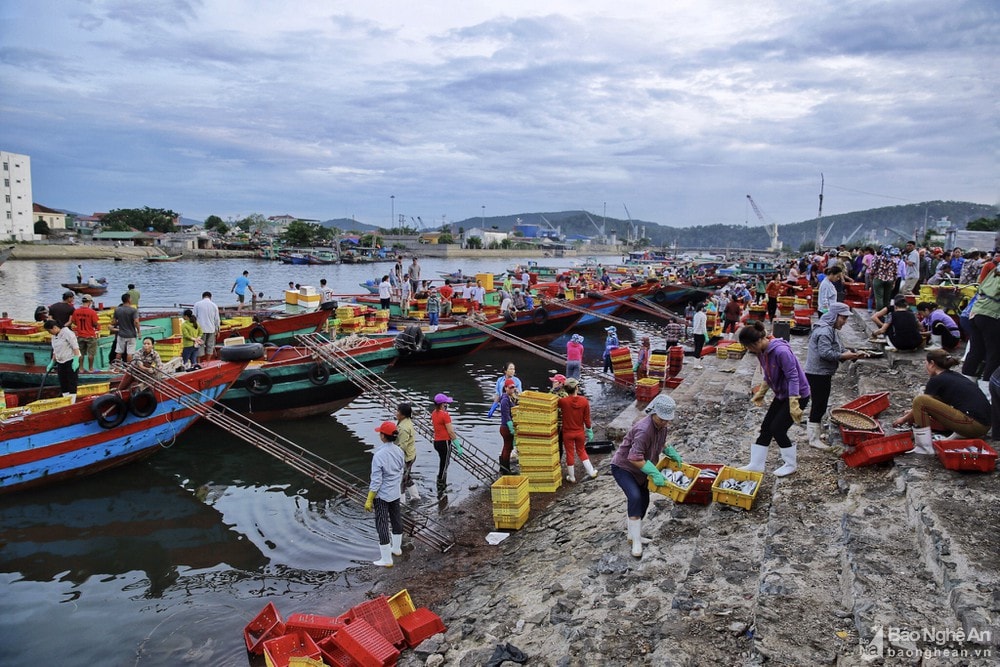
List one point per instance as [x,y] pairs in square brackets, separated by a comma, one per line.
[512,522]
[648,382]
[544,482]
[538,398]
[511,510]
[40,337]
[671,490]
[509,489]
[535,432]
[735,498]
[527,447]
[8,413]
[49,404]
[93,389]
[401,604]
[522,416]
[169,350]
[537,460]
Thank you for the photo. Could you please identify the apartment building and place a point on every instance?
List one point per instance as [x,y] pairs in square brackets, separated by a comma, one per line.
[16,219]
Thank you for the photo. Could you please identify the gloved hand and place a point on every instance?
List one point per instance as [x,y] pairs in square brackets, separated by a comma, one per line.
[758,396]
[52,364]
[76,363]
[672,454]
[510,427]
[590,434]
[370,503]
[794,409]
[650,469]
[457,444]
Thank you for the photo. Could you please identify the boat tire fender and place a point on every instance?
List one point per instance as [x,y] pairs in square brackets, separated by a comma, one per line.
[659,296]
[319,374]
[596,296]
[245,352]
[425,345]
[258,334]
[109,410]
[258,383]
[142,403]
[540,316]
[510,315]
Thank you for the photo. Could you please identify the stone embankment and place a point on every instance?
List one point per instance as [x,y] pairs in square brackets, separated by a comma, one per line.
[832,565]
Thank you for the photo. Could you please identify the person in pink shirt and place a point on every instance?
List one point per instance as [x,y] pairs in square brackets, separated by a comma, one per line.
[574,356]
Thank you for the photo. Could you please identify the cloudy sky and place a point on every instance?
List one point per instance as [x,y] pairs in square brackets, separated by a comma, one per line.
[675,108]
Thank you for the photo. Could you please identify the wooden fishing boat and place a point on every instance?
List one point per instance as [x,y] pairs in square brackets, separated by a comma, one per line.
[52,440]
[87,288]
[164,258]
[322,257]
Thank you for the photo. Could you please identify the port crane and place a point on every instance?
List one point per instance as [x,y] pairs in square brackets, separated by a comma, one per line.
[772,228]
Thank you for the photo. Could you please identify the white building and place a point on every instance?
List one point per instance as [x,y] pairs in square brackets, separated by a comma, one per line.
[16,220]
[486,236]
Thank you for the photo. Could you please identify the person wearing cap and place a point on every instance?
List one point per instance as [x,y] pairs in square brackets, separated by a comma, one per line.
[407,442]
[822,360]
[86,326]
[574,356]
[577,430]
[784,376]
[445,438]
[900,325]
[943,330]
[633,462]
[383,493]
[61,311]
[65,356]
[507,402]
[610,343]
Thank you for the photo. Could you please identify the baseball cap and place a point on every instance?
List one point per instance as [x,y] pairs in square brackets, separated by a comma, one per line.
[443,398]
[388,428]
[67,294]
[558,377]
[611,328]
[509,382]
[662,406]
[572,383]
[87,297]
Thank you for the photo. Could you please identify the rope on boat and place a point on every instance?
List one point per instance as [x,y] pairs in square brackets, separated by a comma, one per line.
[327,473]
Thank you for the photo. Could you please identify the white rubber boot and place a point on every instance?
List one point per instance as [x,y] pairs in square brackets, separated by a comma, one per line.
[814,430]
[589,467]
[570,473]
[634,528]
[386,559]
[984,386]
[789,455]
[935,343]
[412,493]
[758,457]
[396,542]
[922,442]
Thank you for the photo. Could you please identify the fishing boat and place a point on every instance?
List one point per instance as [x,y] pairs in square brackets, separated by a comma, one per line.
[293,258]
[164,258]
[5,253]
[322,257]
[88,288]
[49,440]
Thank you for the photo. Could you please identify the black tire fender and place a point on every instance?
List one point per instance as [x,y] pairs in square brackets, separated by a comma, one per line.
[258,334]
[142,403]
[109,410]
[540,316]
[425,345]
[596,296]
[510,316]
[411,339]
[319,374]
[660,296]
[258,383]
[245,352]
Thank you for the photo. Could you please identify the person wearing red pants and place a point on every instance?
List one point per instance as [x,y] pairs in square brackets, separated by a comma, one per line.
[576,429]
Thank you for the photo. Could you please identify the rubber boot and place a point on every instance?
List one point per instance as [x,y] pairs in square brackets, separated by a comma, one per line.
[634,528]
[814,430]
[571,473]
[396,542]
[984,386]
[386,559]
[789,455]
[758,457]
[935,343]
[589,467]
[412,493]
[922,442]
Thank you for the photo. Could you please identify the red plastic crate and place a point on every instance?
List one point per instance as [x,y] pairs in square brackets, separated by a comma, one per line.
[879,450]
[365,645]
[985,461]
[317,627]
[870,404]
[278,651]
[379,615]
[852,437]
[419,625]
[333,655]
[672,383]
[701,492]
[646,392]
[265,625]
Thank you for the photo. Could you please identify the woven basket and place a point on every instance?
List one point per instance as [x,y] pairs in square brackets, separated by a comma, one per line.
[853,419]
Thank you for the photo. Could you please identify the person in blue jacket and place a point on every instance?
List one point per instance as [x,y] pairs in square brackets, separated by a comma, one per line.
[610,343]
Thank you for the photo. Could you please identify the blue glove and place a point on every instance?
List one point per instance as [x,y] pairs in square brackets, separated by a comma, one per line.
[590,434]
[672,454]
[650,469]
[76,363]
[457,444]
[52,364]
[493,408]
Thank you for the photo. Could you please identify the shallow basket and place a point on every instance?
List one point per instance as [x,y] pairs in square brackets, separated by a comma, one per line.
[983,461]
[854,420]
[879,450]
[736,498]
[671,490]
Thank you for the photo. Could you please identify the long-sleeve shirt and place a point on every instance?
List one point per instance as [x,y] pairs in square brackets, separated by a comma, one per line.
[699,323]
[189,332]
[575,412]
[825,347]
[782,371]
[505,406]
[643,442]
[64,345]
[610,344]
[574,351]
[406,440]
[387,471]
[988,302]
[938,315]
[827,295]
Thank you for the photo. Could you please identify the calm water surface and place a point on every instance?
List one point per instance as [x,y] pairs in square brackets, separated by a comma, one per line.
[163,562]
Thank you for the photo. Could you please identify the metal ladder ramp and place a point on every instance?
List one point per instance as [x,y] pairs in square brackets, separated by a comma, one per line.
[635,326]
[327,473]
[643,305]
[474,460]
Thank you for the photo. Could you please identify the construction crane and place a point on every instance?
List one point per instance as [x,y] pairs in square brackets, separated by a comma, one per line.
[600,230]
[772,228]
[906,236]
[632,232]
[847,239]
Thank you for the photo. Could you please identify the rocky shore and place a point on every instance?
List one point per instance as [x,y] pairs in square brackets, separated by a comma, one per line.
[832,565]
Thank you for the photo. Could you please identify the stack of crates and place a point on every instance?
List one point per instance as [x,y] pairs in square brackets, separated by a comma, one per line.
[786,305]
[536,423]
[621,365]
[647,389]
[511,502]
[657,367]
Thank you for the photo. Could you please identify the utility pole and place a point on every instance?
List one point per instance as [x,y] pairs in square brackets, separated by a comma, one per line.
[819,219]
[392,217]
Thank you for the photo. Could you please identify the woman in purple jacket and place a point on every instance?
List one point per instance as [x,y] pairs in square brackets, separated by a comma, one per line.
[784,375]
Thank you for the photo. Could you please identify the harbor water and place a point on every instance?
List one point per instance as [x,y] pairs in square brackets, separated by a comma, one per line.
[163,562]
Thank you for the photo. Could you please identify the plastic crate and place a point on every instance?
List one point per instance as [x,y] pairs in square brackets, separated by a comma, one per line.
[647,392]
[869,404]
[302,661]
[420,625]
[700,492]
[512,521]
[736,498]
[317,627]
[266,625]
[856,437]
[672,383]
[49,404]
[984,461]
[40,337]
[93,389]
[401,603]
[507,489]
[539,482]
[879,450]
[531,446]
[510,510]
[333,655]
[534,417]
[671,490]
[548,459]
[365,645]
[537,433]
[378,614]
[278,651]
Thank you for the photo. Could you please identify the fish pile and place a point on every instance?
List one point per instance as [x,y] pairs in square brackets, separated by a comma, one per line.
[747,486]
[678,478]
[966,450]
[708,473]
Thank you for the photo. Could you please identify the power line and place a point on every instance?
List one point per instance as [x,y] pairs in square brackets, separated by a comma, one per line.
[873,194]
